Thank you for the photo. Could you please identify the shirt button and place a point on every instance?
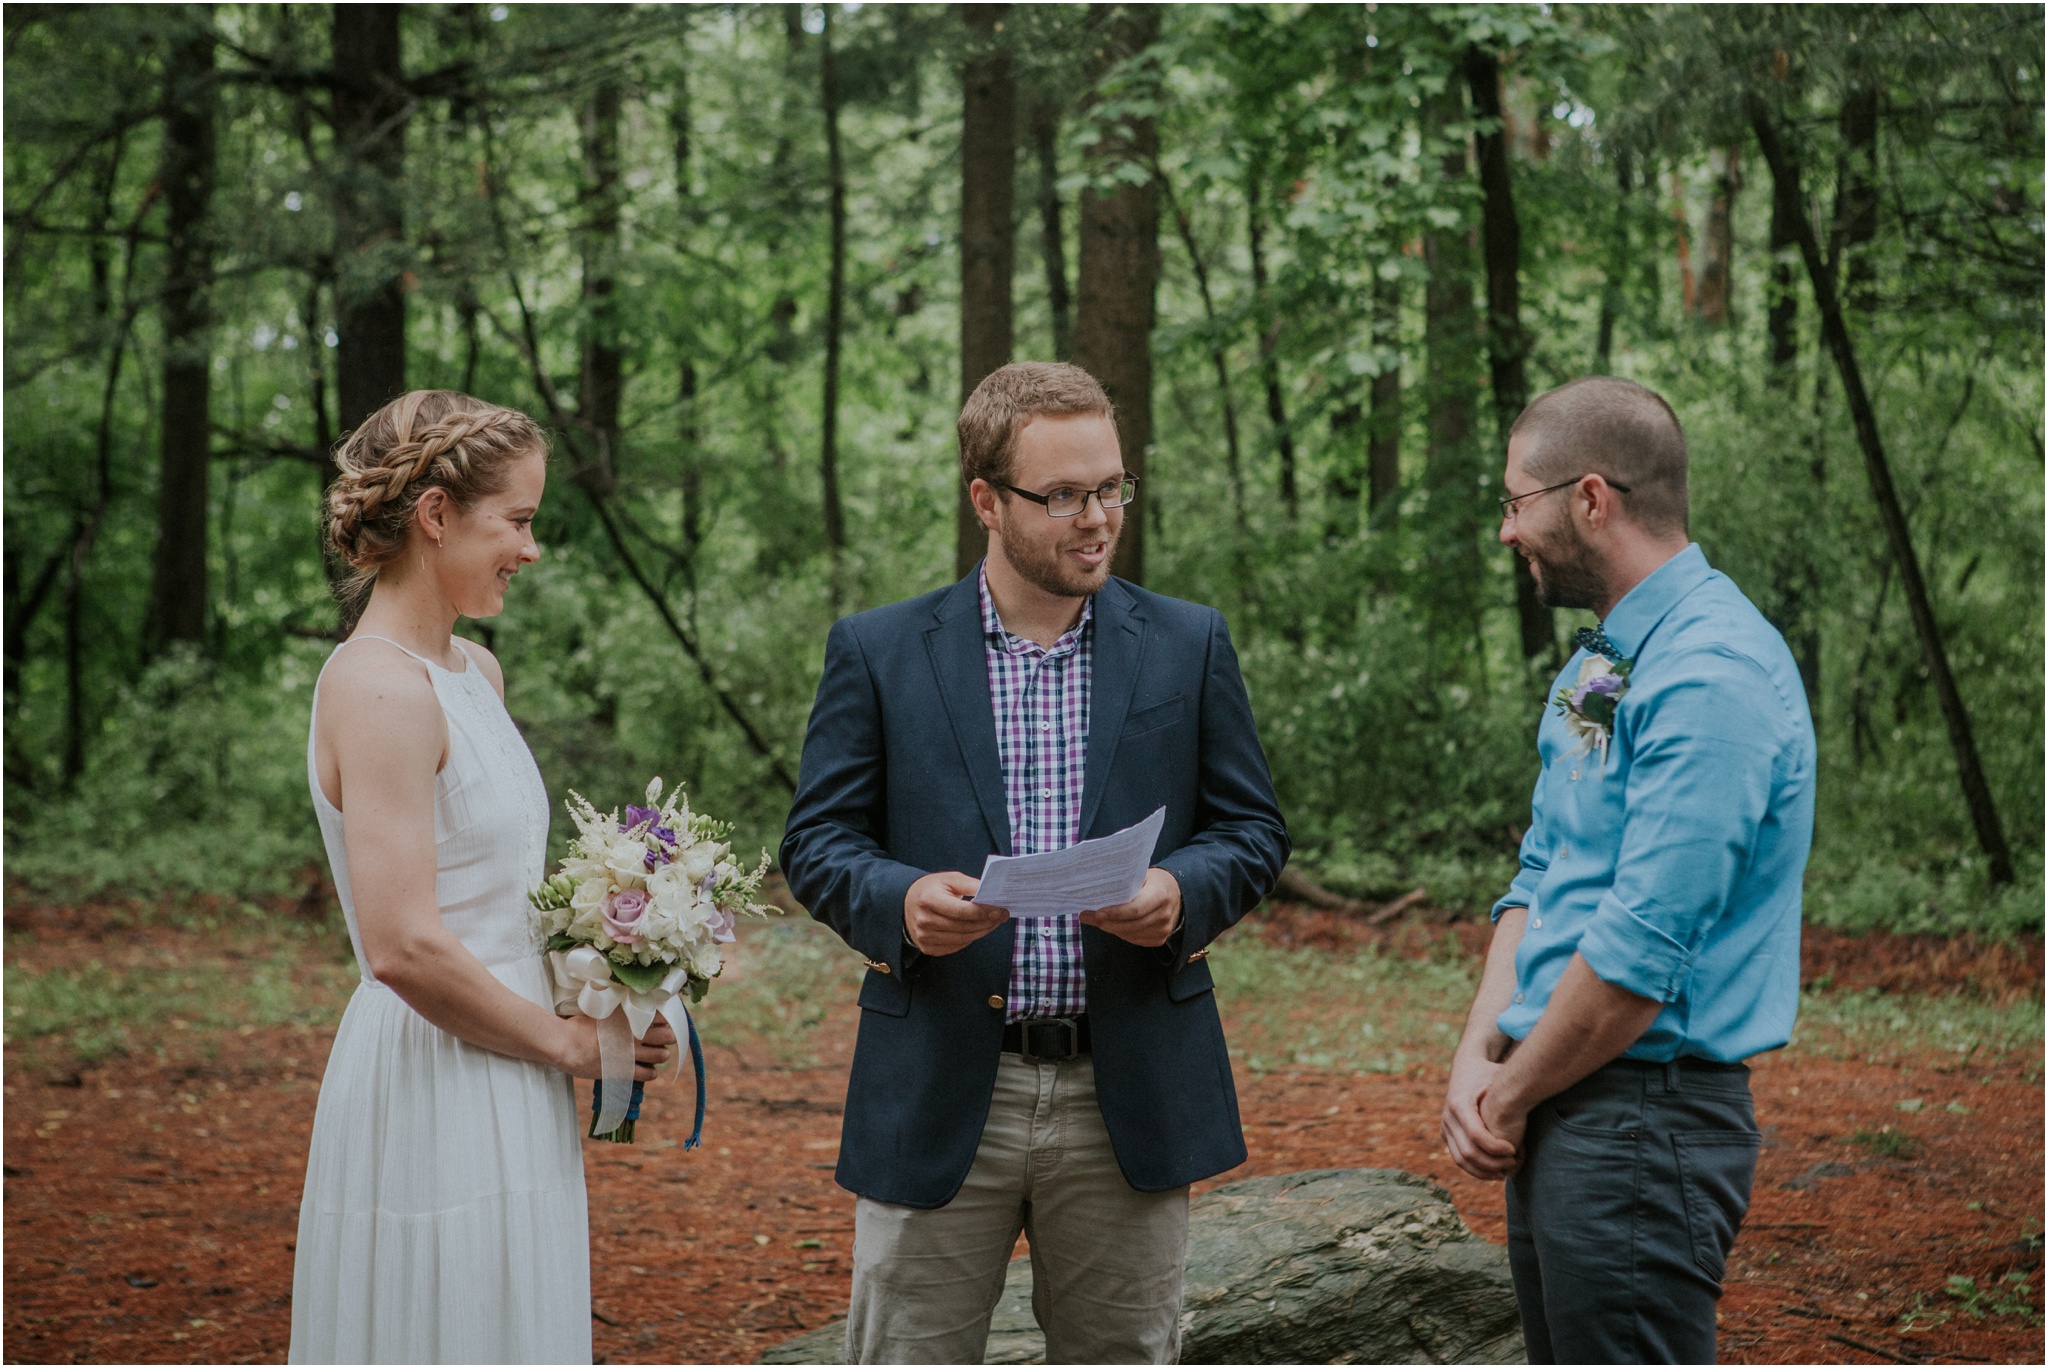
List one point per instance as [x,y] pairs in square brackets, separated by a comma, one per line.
[1046,792]
[1045,726]
[1046,932]
[995,1000]
[1537,923]
[1564,852]
[1518,998]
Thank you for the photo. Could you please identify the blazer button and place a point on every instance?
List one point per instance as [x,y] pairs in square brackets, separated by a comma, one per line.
[878,968]
[1198,955]
[995,1000]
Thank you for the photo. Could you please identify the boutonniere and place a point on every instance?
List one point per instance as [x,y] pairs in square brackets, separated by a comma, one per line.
[1588,708]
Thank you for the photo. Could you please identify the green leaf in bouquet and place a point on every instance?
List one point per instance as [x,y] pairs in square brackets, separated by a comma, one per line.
[698,988]
[562,940]
[644,977]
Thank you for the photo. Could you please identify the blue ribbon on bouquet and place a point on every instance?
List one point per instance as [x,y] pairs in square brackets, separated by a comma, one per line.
[640,1089]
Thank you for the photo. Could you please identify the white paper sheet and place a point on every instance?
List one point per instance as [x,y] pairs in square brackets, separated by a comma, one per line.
[1104,872]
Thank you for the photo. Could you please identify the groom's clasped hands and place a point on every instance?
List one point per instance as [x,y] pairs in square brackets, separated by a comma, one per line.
[940,915]
[1482,1141]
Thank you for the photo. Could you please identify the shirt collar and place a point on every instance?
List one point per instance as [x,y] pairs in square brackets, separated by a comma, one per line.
[1644,606]
[992,624]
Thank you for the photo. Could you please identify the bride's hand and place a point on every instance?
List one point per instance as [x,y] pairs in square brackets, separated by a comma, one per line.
[581,1058]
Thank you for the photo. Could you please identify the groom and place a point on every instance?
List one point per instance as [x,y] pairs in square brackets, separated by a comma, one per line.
[1650,943]
[1064,1077]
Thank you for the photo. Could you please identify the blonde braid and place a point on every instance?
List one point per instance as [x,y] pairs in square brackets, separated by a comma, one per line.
[426,439]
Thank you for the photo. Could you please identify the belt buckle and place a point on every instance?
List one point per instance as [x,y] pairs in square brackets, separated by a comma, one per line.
[1072,1041]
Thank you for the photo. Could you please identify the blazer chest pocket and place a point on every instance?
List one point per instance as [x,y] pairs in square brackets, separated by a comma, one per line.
[885,993]
[1156,716]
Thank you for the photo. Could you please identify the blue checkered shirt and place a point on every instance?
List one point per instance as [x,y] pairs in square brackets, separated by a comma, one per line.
[1040,697]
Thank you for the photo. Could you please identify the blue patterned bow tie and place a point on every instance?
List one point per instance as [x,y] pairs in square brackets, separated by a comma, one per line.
[1594,640]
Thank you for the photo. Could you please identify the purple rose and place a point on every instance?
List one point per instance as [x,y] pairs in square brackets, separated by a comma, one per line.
[1607,686]
[721,930]
[623,911]
[638,816]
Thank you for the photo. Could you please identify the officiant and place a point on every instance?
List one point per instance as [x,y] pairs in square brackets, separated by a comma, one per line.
[1064,1077]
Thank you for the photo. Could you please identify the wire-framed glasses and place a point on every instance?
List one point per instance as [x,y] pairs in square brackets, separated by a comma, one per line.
[1507,505]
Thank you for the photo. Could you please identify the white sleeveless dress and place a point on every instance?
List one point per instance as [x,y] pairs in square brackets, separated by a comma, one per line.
[444,1219]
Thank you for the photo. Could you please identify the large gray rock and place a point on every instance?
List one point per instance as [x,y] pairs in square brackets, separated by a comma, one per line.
[1326,1266]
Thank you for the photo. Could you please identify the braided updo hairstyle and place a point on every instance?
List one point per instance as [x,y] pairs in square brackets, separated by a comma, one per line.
[425,439]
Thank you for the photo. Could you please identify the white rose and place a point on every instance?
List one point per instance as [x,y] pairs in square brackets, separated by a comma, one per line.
[658,923]
[699,861]
[704,961]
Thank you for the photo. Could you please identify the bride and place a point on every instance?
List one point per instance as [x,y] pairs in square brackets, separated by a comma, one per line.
[444,1216]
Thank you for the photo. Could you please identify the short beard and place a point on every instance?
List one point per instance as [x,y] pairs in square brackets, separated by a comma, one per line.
[1572,574]
[1048,571]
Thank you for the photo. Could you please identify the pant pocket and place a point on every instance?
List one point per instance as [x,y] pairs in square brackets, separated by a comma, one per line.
[1715,1169]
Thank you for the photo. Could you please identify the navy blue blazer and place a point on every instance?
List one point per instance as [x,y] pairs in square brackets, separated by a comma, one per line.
[901,778]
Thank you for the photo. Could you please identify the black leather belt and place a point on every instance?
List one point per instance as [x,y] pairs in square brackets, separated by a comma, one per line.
[1047,1039]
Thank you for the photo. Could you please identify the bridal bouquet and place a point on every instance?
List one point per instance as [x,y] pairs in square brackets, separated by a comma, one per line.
[634,920]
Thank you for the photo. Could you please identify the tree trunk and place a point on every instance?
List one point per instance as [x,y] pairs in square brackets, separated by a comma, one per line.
[601,383]
[1834,330]
[689,430]
[1232,454]
[1507,344]
[1451,340]
[178,589]
[1269,343]
[835,304]
[1120,264]
[1688,288]
[1799,575]
[1612,294]
[1383,460]
[371,106]
[1717,270]
[1782,323]
[1052,244]
[988,229]
[1856,197]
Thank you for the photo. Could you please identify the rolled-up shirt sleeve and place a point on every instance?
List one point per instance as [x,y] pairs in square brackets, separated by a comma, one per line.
[1535,858]
[1702,769]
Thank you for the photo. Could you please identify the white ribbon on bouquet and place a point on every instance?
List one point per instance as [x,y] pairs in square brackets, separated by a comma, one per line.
[584,984]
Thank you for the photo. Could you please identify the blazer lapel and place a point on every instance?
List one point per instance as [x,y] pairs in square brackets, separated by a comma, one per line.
[960,664]
[1119,650]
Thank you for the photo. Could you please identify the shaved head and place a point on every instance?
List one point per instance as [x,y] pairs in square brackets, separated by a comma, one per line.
[1614,428]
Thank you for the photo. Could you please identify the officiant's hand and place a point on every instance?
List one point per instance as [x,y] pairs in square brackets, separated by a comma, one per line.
[1147,919]
[581,1059]
[939,917]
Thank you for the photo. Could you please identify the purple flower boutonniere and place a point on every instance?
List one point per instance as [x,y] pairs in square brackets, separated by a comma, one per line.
[1588,708]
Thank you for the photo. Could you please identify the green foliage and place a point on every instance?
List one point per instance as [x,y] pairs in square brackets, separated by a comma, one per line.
[2010,1295]
[217,973]
[1888,1028]
[779,982]
[1380,642]
[1365,1014]
[197,784]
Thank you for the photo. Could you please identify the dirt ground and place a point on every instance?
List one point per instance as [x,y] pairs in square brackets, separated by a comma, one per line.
[151,1204]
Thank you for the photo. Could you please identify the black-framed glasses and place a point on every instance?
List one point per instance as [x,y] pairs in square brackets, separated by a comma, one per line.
[1507,505]
[1068,503]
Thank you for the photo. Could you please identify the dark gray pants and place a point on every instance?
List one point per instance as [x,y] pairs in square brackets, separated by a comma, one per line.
[1634,1183]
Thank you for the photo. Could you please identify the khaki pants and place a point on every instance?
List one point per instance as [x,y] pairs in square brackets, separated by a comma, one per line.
[1106,1259]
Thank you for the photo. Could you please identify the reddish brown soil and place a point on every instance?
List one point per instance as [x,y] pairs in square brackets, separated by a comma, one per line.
[151,1203]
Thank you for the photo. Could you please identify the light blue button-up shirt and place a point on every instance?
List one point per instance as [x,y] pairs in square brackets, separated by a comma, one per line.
[1674,865]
